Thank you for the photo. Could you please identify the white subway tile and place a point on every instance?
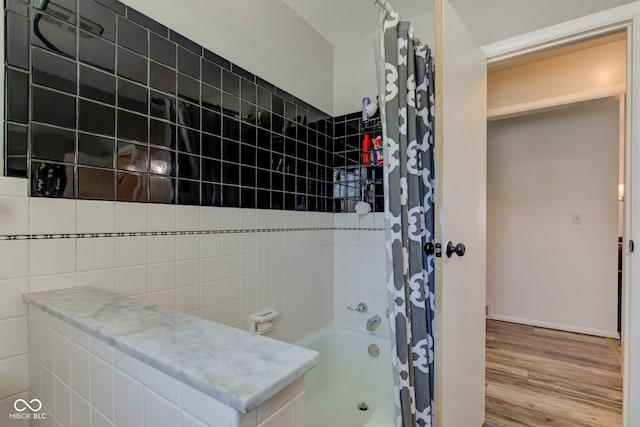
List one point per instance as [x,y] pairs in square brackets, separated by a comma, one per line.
[191,421]
[263,300]
[95,253]
[61,357]
[49,283]
[47,389]
[161,249]
[99,420]
[131,280]
[165,299]
[210,245]
[11,304]
[103,279]
[277,297]
[14,215]
[188,298]
[80,370]
[188,247]
[101,349]
[16,187]
[187,218]
[62,402]
[281,418]
[162,277]
[205,408]
[281,399]
[15,375]
[159,412]
[263,281]
[34,376]
[129,407]
[161,217]
[213,313]
[263,219]
[248,285]
[54,256]
[14,259]
[127,364]
[80,411]
[231,219]
[263,262]
[231,311]
[49,215]
[161,383]
[131,251]
[277,240]
[187,273]
[231,266]
[210,269]
[95,216]
[277,219]
[14,336]
[230,244]
[263,242]
[102,386]
[6,407]
[79,337]
[231,289]
[131,217]
[210,218]
[248,306]
[248,218]
[298,410]
[248,263]
[210,293]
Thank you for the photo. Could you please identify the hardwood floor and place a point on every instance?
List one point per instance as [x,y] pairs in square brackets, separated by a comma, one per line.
[542,377]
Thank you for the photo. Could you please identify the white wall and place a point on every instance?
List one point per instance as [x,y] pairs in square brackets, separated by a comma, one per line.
[220,277]
[354,66]
[541,269]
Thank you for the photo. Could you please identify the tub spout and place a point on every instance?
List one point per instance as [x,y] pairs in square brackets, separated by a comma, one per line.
[373,323]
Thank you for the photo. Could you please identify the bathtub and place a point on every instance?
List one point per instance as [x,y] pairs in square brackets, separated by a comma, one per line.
[346,376]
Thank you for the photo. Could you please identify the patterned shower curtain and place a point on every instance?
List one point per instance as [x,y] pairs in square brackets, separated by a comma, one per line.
[407,105]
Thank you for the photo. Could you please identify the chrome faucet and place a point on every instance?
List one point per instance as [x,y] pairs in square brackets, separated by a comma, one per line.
[373,323]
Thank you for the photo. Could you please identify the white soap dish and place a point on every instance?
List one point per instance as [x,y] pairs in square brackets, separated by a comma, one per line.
[263,321]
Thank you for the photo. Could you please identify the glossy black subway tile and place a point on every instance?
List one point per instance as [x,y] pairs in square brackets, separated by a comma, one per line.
[132,126]
[96,184]
[248,112]
[277,200]
[52,107]
[131,187]
[132,66]
[188,192]
[248,176]
[230,151]
[64,10]
[147,22]
[50,143]
[132,96]
[162,133]
[162,50]
[188,114]
[93,50]
[114,5]
[162,106]
[97,85]
[131,156]
[211,74]
[230,173]
[230,128]
[230,83]
[96,118]
[265,84]
[263,199]
[211,122]
[132,36]
[188,140]
[97,20]
[188,63]
[188,88]
[217,59]
[162,78]
[211,146]
[248,91]
[264,98]
[211,97]
[162,190]
[17,98]
[185,42]
[230,196]
[248,198]
[162,161]
[19,7]
[248,155]
[243,73]
[16,140]
[230,105]
[188,166]
[211,194]
[52,180]
[17,41]
[95,151]
[211,170]
[53,34]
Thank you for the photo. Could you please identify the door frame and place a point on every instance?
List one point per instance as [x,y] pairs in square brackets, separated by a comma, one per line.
[627,18]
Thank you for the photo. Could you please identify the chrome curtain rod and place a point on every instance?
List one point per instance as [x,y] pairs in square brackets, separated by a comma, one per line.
[385,5]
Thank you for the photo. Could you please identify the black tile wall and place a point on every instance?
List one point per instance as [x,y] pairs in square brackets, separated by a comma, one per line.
[105,103]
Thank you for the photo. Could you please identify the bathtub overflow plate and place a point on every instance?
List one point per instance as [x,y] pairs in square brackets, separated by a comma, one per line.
[362,406]
[374,350]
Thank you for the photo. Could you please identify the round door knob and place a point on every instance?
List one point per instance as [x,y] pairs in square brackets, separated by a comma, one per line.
[458,249]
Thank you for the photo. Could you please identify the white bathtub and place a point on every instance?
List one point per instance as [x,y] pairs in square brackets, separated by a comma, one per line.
[346,376]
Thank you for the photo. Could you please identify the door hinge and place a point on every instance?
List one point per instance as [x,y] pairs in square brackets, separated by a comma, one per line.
[632,246]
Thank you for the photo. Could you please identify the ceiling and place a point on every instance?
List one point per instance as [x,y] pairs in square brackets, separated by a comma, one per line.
[341,21]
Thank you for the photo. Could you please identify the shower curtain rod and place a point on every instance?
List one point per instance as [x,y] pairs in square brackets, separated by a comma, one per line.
[386,6]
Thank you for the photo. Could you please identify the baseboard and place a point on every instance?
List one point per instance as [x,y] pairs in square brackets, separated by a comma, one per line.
[557,326]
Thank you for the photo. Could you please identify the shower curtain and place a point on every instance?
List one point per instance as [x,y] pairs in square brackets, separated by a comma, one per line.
[407,103]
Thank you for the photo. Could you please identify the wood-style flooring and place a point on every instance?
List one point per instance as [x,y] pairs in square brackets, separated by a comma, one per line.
[542,377]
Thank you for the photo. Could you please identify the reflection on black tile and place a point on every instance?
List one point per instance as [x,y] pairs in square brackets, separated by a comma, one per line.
[188,192]
[95,151]
[301,185]
[53,34]
[277,144]
[97,85]
[132,66]
[96,184]
[230,196]
[132,96]
[263,199]
[162,162]
[247,176]
[264,98]
[230,173]
[301,203]
[16,151]
[290,111]
[248,198]
[162,78]
[211,122]
[248,112]
[248,134]
[61,9]
[147,22]
[162,106]
[162,190]
[96,118]
[188,88]
[131,157]
[290,183]
[290,147]
[211,146]
[162,134]
[21,7]
[277,123]
[230,105]
[289,165]
[17,98]
[96,51]
[114,5]
[230,83]
[211,194]
[131,187]
[211,97]
[211,74]
[53,107]
[97,20]
[132,126]
[188,166]
[49,143]
[248,155]
[289,201]
[17,41]
[263,119]
[162,50]
[52,180]
[188,141]
[132,36]
[230,151]
[277,200]
[277,105]
[264,139]
[188,63]
[263,179]
[188,115]
[248,91]
[230,128]
[211,170]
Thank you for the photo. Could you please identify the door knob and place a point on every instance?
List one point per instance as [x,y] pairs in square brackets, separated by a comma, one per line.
[458,249]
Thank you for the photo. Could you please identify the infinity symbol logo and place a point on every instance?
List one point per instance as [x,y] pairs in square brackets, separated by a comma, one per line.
[25,405]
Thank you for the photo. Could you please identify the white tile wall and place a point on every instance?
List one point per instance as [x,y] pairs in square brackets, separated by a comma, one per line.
[223,277]
[106,387]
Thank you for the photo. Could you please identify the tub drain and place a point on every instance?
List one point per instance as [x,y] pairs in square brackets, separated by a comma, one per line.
[362,406]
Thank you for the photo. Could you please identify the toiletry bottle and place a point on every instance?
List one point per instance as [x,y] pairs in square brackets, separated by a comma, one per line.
[365,102]
[366,147]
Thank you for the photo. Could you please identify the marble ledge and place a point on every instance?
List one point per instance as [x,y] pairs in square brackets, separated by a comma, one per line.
[238,368]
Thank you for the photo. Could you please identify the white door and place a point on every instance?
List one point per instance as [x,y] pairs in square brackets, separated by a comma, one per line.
[461,140]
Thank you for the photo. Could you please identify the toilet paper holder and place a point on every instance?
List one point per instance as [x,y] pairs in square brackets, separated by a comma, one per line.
[263,321]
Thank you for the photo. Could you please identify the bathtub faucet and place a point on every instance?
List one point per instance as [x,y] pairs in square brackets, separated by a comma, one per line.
[373,323]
